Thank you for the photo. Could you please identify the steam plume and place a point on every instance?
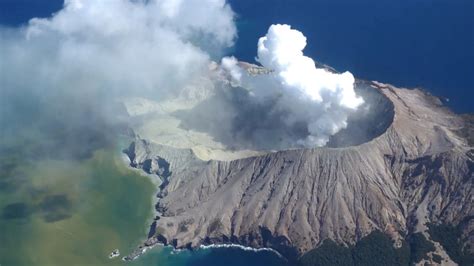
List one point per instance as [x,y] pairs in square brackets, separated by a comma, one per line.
[314,96]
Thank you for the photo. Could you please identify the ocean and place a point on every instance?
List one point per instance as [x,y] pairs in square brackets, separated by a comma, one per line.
[74,212]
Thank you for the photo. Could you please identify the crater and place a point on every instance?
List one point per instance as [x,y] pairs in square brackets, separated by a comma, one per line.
[223,124]
[240,124]
[370,120]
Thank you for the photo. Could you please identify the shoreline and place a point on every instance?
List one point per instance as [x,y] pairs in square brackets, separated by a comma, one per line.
[153,242]
[137,252]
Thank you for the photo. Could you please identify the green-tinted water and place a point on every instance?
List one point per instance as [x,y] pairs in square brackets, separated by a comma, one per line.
[57,212]
[75,211]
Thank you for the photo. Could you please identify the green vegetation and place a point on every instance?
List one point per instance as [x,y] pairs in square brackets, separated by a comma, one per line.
[419,247]
[329,253]
[450,238]
[374,249]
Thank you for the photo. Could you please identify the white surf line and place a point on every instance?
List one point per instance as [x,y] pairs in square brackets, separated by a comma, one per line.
[176,251]
[240,247]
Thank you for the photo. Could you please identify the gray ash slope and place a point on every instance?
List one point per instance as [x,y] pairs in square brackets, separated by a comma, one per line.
[419,170]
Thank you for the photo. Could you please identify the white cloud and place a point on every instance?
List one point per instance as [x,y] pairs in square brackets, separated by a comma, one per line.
[304,93]
[282,50]
[229,65]
[118,45]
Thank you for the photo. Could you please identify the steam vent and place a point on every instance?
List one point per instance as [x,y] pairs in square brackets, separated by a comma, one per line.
[401,163]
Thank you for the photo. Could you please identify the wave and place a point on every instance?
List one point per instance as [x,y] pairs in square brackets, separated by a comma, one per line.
[239,247]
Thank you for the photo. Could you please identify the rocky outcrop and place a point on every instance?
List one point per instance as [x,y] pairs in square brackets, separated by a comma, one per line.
[419,171]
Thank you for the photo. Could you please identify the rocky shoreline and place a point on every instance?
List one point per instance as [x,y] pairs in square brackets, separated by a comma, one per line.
[148,244]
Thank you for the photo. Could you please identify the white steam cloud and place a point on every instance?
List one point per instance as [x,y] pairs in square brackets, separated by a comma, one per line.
[282,51]
[314,96]
[116,46]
